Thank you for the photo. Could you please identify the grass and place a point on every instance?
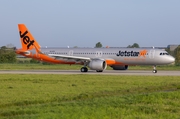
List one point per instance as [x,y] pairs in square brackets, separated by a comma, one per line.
[39,66]
[89,96]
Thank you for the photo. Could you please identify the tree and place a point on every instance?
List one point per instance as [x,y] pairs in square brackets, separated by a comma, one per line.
[10,45]
[129,46]
[135,45]
[7,55]
[177,55]
[170,52]
[98,45]
[3,48]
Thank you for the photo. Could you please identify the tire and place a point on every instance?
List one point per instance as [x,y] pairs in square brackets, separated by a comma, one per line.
[84,69]
[99,70]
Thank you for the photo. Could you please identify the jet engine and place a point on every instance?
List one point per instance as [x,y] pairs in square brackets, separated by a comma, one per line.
[98,65]
[119,67]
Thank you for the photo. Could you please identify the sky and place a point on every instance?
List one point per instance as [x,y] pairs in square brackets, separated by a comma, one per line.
[83,23]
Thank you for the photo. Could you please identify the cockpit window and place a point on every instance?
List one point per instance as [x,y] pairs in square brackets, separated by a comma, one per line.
[163,53]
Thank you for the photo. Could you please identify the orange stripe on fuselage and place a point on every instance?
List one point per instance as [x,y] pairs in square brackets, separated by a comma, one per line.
[110,61]
[43,57]
[113,62]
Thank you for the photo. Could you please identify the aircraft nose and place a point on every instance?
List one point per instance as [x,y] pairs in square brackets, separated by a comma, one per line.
[171,59]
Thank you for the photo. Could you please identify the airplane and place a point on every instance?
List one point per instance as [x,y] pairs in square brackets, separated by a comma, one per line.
[94,58]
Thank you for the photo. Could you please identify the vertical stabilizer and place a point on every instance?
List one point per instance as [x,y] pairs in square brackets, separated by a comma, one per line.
[27,40]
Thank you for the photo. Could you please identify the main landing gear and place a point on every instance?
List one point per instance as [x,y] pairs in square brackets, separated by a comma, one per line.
[99,70]
[84,69]
[154,69]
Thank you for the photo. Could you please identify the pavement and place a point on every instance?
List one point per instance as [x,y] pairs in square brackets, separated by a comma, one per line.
[106,72]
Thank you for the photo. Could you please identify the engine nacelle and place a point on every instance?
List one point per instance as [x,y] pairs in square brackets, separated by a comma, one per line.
[119,67]
[97,65]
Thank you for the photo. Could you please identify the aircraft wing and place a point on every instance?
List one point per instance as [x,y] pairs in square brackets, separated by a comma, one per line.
[76,58]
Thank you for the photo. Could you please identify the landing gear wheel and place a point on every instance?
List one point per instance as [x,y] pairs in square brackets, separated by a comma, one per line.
[154,71]
[84,69]
[99,70]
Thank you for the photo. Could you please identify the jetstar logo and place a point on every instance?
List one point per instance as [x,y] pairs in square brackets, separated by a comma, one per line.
[143,53]
[26,40]
[132,53]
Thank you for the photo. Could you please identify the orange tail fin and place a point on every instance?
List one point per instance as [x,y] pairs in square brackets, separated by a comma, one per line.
[27,40]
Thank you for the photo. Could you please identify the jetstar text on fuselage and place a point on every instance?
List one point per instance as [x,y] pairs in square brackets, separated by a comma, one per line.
[131,53]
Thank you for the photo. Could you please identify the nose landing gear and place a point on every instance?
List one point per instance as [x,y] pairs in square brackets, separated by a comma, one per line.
[154,69]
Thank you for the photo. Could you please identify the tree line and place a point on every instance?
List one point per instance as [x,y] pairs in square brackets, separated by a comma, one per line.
[7,55]
[176,54]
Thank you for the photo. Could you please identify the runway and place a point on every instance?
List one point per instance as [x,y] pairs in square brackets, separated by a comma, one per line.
[106,72]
